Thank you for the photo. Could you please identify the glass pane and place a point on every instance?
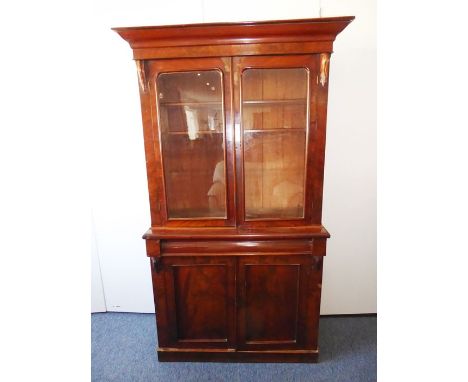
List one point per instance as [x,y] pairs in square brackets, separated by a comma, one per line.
[274,120]
[191,120]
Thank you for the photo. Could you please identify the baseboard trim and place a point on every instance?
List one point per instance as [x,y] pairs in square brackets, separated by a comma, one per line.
[321,316]
[229,355]
[348,315]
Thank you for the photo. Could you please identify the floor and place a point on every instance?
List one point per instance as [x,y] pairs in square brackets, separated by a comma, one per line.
[123,349]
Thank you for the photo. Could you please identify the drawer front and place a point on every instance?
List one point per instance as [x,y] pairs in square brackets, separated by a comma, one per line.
[243,247]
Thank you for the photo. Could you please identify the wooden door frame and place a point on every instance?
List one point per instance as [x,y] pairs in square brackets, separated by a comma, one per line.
[165,301]
[153,149]
[308,304]
[315,136]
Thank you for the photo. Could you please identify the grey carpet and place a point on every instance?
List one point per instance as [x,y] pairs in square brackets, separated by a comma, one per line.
[123,349]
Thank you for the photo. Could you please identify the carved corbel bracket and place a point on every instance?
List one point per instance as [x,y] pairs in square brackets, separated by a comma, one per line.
[141,69]
[156,262]
[324,66]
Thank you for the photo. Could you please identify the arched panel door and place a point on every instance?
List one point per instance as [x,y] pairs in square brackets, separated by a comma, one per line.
[279,140]
[193,142]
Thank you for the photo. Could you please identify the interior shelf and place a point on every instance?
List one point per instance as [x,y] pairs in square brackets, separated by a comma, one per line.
[293,101]
[186,132]
[196,104]
[280,130]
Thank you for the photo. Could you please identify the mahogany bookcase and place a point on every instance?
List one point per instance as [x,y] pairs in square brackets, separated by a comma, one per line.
[234,119]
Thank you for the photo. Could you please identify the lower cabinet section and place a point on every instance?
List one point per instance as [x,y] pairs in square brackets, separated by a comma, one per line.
[249,308]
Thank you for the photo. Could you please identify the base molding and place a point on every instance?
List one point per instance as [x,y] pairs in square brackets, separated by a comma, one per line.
[231,355]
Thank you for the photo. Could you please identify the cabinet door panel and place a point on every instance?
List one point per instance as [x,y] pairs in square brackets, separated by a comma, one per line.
[191,120]
[192,127]
[199,297]
[271,302]
[279,300]
[278,161]
[274,125]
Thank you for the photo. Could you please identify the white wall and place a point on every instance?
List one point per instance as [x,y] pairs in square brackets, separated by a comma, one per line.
[349,209]
[119,186]
[98,300]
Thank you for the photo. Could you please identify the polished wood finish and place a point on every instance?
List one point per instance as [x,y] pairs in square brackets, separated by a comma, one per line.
[239,233]
[234,39]
[229,355]
[273,296]
[234,119]
[310,63]
[197,301]
[158,193]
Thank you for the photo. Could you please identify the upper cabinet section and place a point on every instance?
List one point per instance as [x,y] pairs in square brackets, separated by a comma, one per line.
[235,39]
[234,117]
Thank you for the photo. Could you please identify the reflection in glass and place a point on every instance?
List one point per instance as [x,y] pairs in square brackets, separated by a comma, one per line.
[274,122]
[191,121]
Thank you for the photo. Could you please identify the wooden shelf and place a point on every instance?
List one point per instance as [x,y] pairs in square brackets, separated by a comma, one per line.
[196,104]
[186,133]
[283,130]
[275,213]
[260,102]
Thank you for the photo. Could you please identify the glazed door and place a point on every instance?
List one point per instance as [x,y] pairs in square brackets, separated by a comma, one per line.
[193,138]
[195,301]
[277,140]
[278,302]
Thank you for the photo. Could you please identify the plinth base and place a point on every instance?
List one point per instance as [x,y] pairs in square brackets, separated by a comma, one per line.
[230,355]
